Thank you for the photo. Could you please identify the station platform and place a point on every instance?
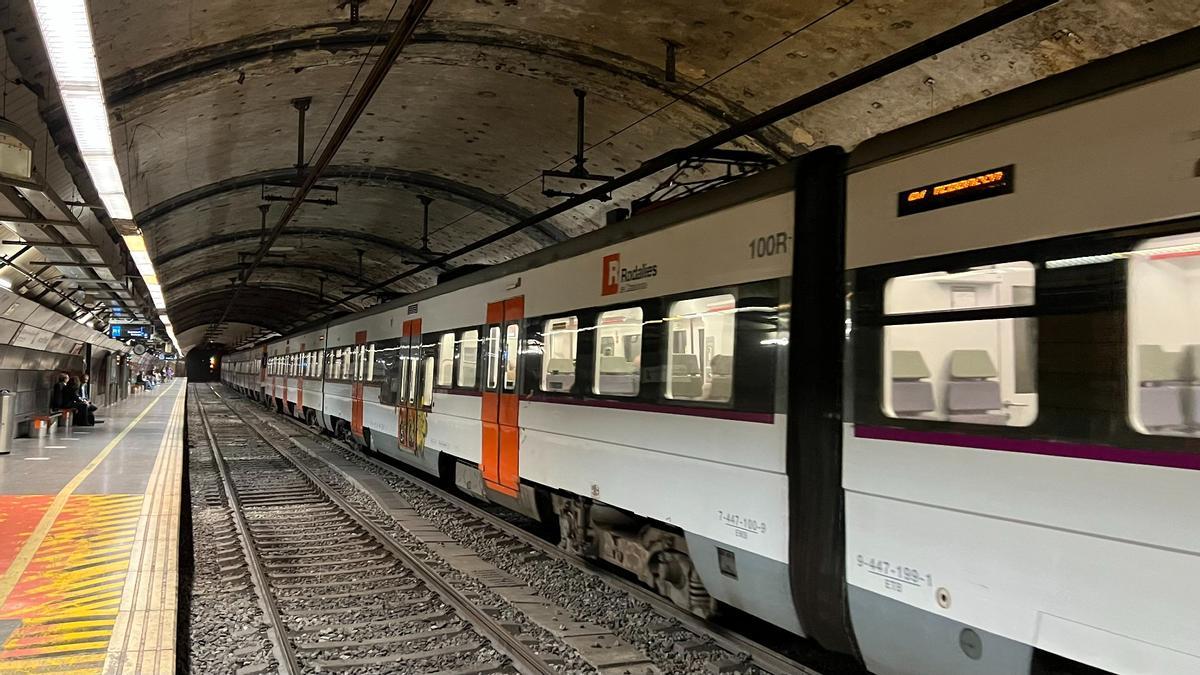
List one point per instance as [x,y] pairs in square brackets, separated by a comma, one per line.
[89,542]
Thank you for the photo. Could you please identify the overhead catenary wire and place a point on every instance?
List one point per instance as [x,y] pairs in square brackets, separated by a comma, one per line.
[911,55]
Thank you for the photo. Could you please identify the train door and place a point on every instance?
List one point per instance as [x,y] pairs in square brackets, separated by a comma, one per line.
[301,377]
[356,387]
[411,421]
[501,435]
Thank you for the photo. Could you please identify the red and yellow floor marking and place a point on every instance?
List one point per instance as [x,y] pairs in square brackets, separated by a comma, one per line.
[68,598]
[19,515]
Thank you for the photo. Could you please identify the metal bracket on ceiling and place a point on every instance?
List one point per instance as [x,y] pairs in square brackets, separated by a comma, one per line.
[578,172]
[354,7]
[698,174]
[669,67]
[301,105]
[424,252]
[282,191]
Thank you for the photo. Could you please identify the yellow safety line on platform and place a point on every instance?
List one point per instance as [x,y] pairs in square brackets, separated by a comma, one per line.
[17,568]
[143,635]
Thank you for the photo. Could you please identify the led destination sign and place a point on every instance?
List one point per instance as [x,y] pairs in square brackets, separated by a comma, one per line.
[990,183]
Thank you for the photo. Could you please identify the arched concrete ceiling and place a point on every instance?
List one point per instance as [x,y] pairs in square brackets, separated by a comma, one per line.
[481,102]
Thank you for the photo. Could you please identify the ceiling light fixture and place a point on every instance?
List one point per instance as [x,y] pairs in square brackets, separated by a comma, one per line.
[67,33]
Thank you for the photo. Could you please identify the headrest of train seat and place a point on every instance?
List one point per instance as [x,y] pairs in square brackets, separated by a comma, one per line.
[971,364]
[616,365]
[1193,354]
[685,364]
[908,364]
[560,366]
[722,364]
[1156,364]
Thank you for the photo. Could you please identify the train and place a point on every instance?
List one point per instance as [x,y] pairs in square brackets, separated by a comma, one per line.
[933,402]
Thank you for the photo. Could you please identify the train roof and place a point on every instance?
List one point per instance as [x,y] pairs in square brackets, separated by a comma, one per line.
[772,181]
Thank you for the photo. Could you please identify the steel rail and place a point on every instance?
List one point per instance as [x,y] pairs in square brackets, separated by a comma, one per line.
[284,654]
[524,658]
[911,55]
[760,655]
[400,38]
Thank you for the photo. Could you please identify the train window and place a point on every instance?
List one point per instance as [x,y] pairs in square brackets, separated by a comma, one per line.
[618,352]
[493,357]
[469,359]
[1164,336]
[987,286]
[370,363]
[445,360]
[979,371]
[700,359]
[412,362]
[427,383]
[512,350]
[560,337]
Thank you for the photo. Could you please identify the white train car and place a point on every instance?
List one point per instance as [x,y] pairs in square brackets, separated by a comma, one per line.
[1021,452]
[933,403]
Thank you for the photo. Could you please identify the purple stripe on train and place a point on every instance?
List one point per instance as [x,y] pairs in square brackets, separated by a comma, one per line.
[1104,453]
[717,413]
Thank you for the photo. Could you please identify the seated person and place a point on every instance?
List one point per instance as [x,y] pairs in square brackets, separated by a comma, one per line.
[85,394]
[73,401]
[57,392]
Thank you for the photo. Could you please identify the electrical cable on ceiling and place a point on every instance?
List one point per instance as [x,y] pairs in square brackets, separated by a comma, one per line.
[675,99]
[954,36]
[353,81]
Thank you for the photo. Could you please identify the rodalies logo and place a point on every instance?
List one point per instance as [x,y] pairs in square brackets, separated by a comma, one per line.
[617,279]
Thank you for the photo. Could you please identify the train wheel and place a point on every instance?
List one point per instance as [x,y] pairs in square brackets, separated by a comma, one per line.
[675,578]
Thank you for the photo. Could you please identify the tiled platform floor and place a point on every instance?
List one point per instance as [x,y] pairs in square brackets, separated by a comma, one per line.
[89,525]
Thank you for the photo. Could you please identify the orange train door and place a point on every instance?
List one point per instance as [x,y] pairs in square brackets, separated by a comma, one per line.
[356,389]
[410,422]
[501,435]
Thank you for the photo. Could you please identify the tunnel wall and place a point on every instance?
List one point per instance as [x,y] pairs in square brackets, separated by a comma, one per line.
[36,343]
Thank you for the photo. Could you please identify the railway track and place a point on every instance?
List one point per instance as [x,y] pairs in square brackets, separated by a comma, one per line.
[756,656]
[338,592]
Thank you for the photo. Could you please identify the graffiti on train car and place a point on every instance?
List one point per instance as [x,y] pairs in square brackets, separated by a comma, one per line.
[413,425]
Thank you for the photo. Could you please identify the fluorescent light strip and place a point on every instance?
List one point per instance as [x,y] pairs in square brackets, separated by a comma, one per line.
[67,33]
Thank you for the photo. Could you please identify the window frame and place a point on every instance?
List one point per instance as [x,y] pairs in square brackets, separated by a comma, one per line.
[668,351]
[539,376]
[440,344]
[1077,372]
[593,389]
[459,341]
[948,316]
